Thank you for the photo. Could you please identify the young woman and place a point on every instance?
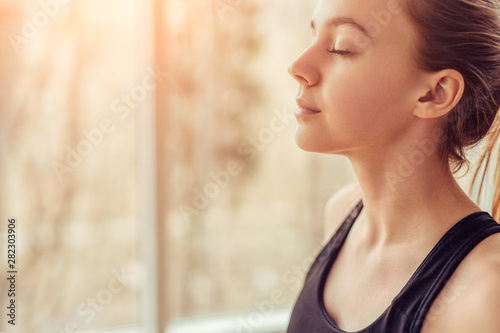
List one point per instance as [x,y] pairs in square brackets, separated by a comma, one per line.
[402,88]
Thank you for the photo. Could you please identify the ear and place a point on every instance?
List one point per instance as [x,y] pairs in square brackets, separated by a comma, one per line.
[444,90]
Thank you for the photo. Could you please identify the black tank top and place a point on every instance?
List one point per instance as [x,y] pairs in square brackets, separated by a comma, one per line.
[408,309]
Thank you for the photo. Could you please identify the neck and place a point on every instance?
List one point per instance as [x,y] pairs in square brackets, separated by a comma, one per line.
[410,200]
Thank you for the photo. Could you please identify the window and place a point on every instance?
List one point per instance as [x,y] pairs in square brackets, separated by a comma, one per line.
[70,163]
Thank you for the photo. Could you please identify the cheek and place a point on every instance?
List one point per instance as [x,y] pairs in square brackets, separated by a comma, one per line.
[369,103]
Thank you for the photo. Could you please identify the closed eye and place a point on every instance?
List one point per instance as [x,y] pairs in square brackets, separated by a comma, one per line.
[340,52]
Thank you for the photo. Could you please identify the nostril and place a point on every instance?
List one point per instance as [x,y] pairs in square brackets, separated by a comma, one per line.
[301,79]
[301,70]
[297,77]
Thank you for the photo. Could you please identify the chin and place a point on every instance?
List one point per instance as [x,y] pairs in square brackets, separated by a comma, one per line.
[304,141]
[311,143]
[318,144]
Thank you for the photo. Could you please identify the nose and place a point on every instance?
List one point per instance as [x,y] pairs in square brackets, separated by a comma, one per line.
[304,69]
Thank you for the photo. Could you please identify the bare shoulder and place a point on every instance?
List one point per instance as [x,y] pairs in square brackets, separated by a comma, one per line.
[472,294]
[339,206]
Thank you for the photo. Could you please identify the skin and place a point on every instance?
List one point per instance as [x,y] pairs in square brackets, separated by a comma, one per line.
[369,101]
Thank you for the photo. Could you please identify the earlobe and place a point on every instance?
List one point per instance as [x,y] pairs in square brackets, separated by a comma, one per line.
[446,90]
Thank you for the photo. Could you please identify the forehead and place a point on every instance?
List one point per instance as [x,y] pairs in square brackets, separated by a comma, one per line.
[378,17]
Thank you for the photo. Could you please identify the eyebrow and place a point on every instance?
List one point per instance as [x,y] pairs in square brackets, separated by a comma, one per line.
[337,21]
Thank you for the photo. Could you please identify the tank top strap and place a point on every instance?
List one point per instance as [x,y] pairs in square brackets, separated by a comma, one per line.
[331,249]
[415,300]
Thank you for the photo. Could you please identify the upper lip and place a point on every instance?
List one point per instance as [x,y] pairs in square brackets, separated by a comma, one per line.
[305,105]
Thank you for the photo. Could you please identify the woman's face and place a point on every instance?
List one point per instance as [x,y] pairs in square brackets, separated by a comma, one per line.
[358,78]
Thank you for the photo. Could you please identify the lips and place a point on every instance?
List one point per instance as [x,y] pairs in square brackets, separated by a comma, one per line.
[306,108]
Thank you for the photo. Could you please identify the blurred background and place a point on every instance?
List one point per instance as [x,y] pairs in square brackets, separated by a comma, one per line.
[147,153]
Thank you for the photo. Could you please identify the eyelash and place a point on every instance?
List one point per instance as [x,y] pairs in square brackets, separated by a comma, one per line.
[341,53]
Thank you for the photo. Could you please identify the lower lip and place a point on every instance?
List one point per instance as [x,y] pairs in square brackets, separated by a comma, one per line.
[306,112]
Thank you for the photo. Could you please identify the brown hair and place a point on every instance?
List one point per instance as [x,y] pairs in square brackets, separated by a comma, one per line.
[464,35]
